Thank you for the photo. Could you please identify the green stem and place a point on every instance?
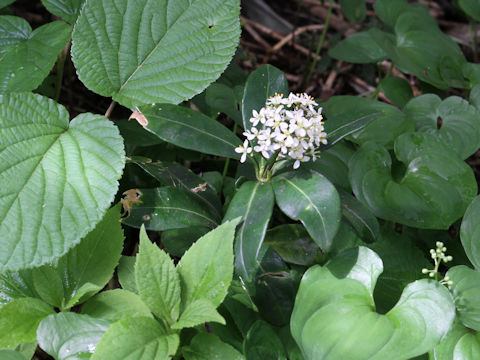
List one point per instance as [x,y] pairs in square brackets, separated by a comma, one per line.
[472,29]
[376,92]
[320,43]
[60,69]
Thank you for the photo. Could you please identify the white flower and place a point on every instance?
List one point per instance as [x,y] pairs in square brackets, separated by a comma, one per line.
[244,150]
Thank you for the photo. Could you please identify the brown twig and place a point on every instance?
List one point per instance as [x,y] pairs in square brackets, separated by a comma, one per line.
[297,32]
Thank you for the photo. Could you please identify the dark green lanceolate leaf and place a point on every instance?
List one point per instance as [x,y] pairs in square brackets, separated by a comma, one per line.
[312,199]
[173,174]
[26,56]
[262,342]
[471,8]
[354,10]
[397,89]
[157,280]
[470,232]
[359,217]
[140,338]
[190,129]
[261,84]
[114,305]
[58,178]
[224,99]
[460,121]
[429,195]
[334,315]
[11,355]
[294,245]
[359,48]
[466,292]
[206,269]
[209,347]
[167,208]
[198,312]
[16,285]
[66,9]
[386,124]
[254,203]
[19,320]
[154,51]
[177,241]
[126,273]
[86,268]
[70,336]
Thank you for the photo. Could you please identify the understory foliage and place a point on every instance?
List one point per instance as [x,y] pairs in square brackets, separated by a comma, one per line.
[225,217]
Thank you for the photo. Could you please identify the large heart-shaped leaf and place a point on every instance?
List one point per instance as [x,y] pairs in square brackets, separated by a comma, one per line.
[428,195]
[66,9]
[309,197]
[153,51]
[26,56]
[15,285]
[470,232]
[460,121]
[58,178]
[254,203]
[334,315]
[459,344]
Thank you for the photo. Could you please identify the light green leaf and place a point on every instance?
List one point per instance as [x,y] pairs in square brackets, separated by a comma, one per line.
[140,338]
[19,320]
[262,342]
[206,346]
[58,178]
[11,355]
[70,336]
[157,280]
[254,203]
[15,285]
[334,315]
[26,56]
[154,51]
[206,269]
[470,232]
[126,273]
[66,9]
[198,312]
[309,197]
[468,347]
[445,349]
[86,268]
[114,305]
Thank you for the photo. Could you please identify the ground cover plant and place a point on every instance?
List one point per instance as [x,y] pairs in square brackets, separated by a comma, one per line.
[224,207]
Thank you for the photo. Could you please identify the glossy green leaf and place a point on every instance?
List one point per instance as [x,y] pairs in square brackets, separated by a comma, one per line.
[206,346]
[173,174]
[359,48]
[11,355]
[26,56]
[157,280]
[471,8]
[387,123]
[177,241]
[389,10]
[261,84]
[126,273]
[140,338]
[262,342]
[312,199]
[58,177]
[16,285]
[167,208]
[198,312]
[70,336]
[114,305]
[397,89]
[86,268]
[427,195]
[468,347]
[334,315]
[190,129]
[19,320]
[206,269]
[254,203]
[466,291]
[470,232]
[354,10]
[460,121]
[154,51]
[66,9]
[445,349]
[294,245]
[27,349]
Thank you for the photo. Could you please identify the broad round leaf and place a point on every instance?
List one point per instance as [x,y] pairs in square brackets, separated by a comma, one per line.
[389,10]
[359,48]
[309,197]
[354,10]
[154,51]
[397,89]
[471,8]
[468,347]
[334,315]
[460,121]
[206,346]
[66,9]
[58,178]
[445,349]
[470,232]
[26,56]
[70,336]
[428,195]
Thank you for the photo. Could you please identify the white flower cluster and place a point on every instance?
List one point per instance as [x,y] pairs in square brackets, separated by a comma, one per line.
[290,126]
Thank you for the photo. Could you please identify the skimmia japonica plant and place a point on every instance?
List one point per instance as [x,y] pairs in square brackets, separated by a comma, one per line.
[286,228]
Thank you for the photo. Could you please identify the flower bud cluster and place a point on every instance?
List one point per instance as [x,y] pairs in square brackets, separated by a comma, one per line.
[290,127]
[438,255]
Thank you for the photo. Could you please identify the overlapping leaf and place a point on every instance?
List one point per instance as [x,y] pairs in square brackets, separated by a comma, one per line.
[470,232]
[66,9]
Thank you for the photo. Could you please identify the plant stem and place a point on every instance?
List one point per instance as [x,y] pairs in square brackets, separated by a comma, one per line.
[320,43]
[472,29]
[60,68]
[110,109]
